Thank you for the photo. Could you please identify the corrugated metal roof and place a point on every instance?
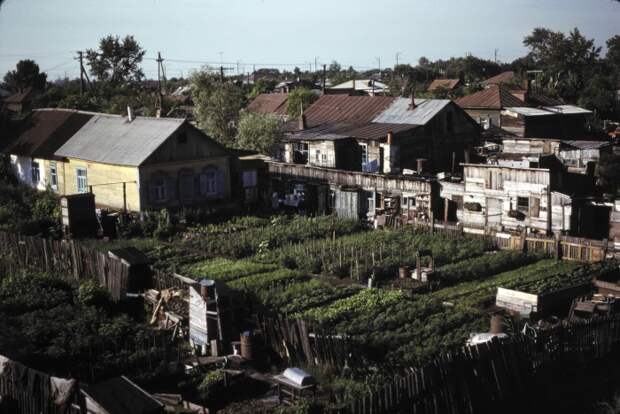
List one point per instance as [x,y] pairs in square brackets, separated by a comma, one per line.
[342,108]
[587,145]
[443,83]
[111,139]
[399,111]
[494,97]
[269,103]
[567,109]
[46,130]
[366,85]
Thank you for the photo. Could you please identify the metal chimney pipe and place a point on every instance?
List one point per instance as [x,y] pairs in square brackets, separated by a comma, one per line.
[129,113]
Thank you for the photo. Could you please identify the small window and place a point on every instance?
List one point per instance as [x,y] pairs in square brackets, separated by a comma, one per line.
[317,156]
[523,204]
[36,173]
[364,148]
[82,180]
[53,175]
[182,138]
[485,122]
[324,158]
[208,183]
[159,190]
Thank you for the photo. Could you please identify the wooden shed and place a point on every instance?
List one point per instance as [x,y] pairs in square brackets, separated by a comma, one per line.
[128,271]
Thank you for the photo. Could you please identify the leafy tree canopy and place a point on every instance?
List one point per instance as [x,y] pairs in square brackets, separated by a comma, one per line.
[26,74]
[258,132]
[297,98]
[116,61]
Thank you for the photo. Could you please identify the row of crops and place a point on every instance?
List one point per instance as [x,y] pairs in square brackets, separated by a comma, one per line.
[316,269]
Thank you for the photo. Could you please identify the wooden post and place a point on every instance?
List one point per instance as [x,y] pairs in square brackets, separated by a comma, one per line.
[125,197]
[446,207]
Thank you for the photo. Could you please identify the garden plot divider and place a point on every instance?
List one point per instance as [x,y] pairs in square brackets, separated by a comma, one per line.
[561,247]
[497,376]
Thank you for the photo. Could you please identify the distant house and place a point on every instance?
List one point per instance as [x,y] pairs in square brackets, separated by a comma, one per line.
[381,134]
[509,198]
[145,163]
[356,87]
[563,121]
[447,84]
[38,137]
[577,155]
[20,102]
[269,104]
[288,86]
[485,106]
[505,77]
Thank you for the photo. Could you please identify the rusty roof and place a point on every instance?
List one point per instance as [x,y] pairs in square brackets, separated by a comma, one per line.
[343,108]
[269,103]
[344,130]
[444,84]
[20,97]
[46,130]
[504,77]
[493,97]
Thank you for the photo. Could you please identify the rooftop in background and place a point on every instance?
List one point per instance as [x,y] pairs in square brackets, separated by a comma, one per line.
[567,110]
[449,84]
[336,131]
[400,111]
[504,77]
[343,108]
[587,145]
[362,85]
[269,103]
[527,111]
[20,97]
[113,139]
[493,97]
[44,131]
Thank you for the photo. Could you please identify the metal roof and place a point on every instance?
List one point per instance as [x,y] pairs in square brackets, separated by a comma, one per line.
[269,103]
[526,111]
[503,77]
[399,111]
[343,108]
[567,109]
[368,131]
[45,131]
[587,145]
[111,139]
[363,85]
[493,97]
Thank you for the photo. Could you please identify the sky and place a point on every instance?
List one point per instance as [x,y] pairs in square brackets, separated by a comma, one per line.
[244,34]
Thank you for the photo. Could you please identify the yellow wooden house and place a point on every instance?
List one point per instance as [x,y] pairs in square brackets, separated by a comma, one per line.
[145,163]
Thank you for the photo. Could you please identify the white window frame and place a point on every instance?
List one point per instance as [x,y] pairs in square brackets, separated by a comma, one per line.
[35,172]
[364,148]
[54,175]
[81,179]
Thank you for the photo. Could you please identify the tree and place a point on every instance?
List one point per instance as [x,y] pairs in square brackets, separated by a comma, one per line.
[258,132]
[117,61]
[567,61]
[609,172]
[613,53]
[216,106]
[297,98]
[26,75]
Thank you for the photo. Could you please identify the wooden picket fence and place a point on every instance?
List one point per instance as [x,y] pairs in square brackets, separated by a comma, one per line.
[491,377]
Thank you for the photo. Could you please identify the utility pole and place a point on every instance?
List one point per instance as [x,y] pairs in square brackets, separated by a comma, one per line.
[80,57]
[83,73]
[379,63]
[324,77]
[495,52]
[160,95]
[222,73]
[397,56]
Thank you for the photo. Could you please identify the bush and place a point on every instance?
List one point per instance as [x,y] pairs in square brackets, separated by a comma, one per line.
[211,383]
